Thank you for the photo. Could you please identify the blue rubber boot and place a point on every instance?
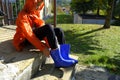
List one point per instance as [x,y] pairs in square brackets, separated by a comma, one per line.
[65,51]
[59,61]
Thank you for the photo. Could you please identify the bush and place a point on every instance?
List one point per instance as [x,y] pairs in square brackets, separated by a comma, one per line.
[116,23]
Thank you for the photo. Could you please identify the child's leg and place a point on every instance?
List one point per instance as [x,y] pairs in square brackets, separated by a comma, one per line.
[60,35]
[47,31]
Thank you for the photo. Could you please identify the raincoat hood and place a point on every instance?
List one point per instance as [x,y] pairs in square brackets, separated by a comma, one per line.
[30,5]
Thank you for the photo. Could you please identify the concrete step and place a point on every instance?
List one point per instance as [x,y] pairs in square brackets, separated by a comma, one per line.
[17,65]
[49,72]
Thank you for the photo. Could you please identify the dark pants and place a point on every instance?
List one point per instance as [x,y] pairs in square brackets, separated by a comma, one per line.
[51,34]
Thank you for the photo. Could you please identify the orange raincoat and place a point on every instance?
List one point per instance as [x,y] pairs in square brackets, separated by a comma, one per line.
[27,20]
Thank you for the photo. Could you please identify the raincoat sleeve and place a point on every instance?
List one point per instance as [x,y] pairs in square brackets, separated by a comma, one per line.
[30,36]
[37,21]
[41,6]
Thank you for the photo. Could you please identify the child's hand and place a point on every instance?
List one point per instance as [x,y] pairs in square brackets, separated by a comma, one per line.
[33,17]
[46,52]
[38,22]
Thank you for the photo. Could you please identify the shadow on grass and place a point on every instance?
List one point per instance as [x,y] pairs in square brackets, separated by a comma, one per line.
[116,62]
[91,31]
[81,43]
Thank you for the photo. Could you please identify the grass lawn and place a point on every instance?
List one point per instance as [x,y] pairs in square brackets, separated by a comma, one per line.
[94,45]
[61,19]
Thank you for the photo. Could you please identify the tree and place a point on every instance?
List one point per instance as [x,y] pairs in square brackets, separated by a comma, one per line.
[82,6]
[109,13]
[117,9]
[100,5]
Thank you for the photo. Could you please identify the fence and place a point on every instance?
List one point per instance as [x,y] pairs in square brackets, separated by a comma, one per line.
[11,9]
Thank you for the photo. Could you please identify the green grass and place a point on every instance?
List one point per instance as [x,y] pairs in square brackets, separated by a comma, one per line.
[91,43]
[62,18]
[94,45]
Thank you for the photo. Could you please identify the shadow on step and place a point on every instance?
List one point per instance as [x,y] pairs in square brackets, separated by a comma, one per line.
[49,69]
[9,54]
[24,59]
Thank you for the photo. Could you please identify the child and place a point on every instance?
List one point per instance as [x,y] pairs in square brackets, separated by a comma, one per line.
[30,27]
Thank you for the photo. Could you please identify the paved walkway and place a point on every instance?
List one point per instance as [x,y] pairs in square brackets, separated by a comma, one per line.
[93,73]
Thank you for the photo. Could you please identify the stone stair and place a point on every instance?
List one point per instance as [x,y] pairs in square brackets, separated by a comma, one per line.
[49,72]
[30,64]
[17,65]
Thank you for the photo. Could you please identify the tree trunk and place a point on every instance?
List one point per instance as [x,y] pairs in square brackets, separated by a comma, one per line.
[98,11]
[109,14]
